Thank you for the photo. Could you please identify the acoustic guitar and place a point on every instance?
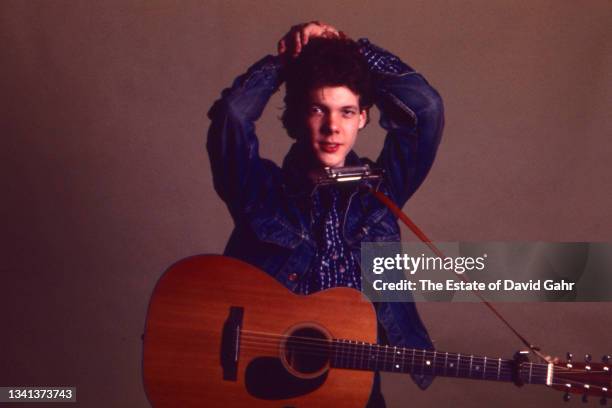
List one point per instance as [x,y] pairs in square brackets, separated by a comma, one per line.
[221,333]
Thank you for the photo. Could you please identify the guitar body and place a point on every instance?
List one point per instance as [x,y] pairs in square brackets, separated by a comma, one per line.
[216,335]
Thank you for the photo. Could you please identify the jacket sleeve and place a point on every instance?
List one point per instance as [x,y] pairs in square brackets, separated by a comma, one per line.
[240,176]
[413,116]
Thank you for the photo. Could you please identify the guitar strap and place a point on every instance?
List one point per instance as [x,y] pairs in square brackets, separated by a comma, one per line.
[421,235]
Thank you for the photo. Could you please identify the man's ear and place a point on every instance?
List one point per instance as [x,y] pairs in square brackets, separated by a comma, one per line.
[363,118]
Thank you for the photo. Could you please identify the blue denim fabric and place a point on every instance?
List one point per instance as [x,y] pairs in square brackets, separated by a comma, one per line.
[272,207]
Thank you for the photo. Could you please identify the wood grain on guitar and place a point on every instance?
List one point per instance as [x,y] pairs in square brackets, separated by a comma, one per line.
[220,332]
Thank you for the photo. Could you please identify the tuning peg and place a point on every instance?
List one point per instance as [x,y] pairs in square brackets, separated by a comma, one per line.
[606,359]
[569,356]
[603,401]
[567,397]
[588,358]
[584,398]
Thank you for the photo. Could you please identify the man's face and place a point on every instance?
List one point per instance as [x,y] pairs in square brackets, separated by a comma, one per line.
[333,121]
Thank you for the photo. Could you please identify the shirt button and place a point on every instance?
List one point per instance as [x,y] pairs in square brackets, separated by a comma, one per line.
[292,277]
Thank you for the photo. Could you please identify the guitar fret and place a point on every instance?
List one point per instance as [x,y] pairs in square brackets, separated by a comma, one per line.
[530,369]
[386,358]
[401,362]
[395,366]
[445,362]
[342,351]
[347,349]
[355,354]
[361,358]
[458,362]
[348,353]
[374,356]
[423,363]
[484,368]
[359,355]
[470,369]
[433,370]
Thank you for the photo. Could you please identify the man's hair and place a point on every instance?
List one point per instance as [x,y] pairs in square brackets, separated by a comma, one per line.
[324,62]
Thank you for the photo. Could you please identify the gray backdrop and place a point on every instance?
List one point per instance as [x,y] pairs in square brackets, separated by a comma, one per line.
[106,181]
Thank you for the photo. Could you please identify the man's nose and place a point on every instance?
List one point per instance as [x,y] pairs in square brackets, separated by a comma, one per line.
[331,124]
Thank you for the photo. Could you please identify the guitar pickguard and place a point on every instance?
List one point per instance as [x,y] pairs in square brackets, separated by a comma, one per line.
[267,378]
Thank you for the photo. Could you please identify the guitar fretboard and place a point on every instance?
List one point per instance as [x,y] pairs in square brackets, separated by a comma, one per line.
[367,356]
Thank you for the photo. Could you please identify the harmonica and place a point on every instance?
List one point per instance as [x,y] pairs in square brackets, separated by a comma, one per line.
[335,175]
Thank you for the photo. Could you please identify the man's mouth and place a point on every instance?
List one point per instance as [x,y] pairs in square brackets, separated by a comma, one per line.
[329,147]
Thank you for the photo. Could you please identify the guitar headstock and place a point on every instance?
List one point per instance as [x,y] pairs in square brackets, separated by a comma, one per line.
[585,378]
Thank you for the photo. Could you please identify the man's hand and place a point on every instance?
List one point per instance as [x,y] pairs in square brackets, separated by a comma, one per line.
[298,36]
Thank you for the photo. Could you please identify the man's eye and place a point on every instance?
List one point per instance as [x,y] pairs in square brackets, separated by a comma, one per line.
[348,113]
[316,110]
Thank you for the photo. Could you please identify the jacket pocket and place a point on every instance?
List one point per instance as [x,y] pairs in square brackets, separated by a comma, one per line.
[276,230]
[380,227]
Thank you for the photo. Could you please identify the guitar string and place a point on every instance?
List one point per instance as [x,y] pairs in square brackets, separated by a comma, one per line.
[379,348]
[505,375]
[341,342]
[389,358]
[339,361]
[391,352]
[434,369]
[342,348]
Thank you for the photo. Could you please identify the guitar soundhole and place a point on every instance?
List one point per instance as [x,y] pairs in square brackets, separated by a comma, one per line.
[305,352]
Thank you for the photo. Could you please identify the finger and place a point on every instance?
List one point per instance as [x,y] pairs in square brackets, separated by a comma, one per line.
[304,36]
[328,27]
[298,43]
[282,46]
[317,31]
[310,31]
[329,31]
[329,34]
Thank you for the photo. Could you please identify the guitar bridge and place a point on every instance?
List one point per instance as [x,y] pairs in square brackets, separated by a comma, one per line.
[230,343]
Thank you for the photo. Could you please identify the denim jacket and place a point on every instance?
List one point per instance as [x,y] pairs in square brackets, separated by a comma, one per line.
[271,206]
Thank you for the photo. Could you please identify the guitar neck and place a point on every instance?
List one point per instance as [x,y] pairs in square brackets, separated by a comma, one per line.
[373,357]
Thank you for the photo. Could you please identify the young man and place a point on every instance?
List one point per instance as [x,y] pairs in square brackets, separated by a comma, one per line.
[308,237]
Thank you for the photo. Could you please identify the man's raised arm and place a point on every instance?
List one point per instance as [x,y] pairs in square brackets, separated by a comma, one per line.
[239,174]
[413,115]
